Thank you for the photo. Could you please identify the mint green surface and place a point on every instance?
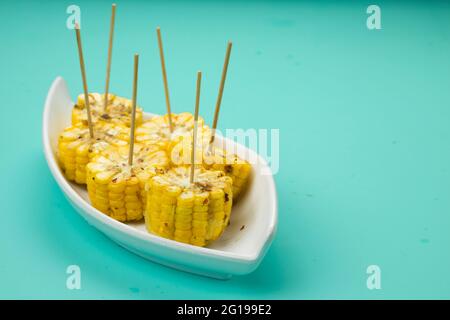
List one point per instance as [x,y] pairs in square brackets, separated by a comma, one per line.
[364,119]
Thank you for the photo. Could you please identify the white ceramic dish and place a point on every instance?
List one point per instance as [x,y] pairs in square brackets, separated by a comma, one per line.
[237,252]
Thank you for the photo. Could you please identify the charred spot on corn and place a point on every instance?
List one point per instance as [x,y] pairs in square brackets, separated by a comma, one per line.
[160,171]
[227,197]
[204,186]
[105,116]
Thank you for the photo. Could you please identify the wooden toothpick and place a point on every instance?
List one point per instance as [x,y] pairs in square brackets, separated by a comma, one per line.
[194,135]
[164,74]
[133,114]
[110,46]
[219,97]
[83,77]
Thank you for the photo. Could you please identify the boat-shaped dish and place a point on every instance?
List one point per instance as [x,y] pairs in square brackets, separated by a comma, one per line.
[238,251]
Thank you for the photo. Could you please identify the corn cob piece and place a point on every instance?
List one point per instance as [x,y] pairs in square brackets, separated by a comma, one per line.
[195,213]
[118,189]
[76,147]
[157,130]
[117,111]
[233,166]
[213,158]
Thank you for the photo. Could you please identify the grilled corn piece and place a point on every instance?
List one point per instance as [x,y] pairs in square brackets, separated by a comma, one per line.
[213,158]
[76,147]
[118,189]
[118,110]
[157,130]
[233,166]
[195,213]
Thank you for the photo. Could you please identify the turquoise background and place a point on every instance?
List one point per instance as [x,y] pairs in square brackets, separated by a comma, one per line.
[364,119]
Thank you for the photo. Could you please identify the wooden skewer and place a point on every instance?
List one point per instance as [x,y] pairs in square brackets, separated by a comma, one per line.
[194,135]
[219,97]
[83,76]
[133,114]
[164,74]
[108,66]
